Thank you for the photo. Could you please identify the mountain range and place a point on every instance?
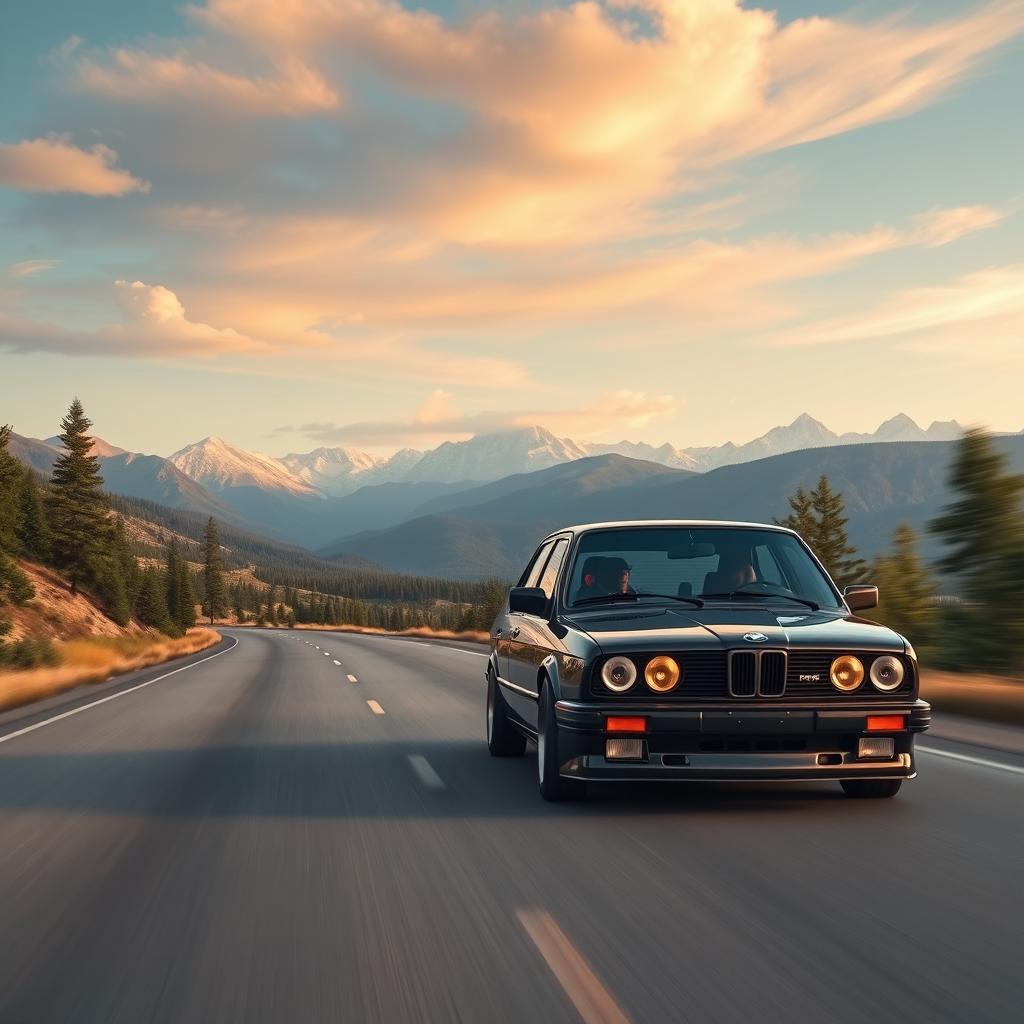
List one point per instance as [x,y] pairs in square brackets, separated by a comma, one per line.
[344,501]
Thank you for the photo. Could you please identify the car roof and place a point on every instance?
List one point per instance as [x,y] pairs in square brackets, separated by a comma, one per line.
[629,523]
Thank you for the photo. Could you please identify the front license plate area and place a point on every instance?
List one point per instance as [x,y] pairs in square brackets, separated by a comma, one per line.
[756,723]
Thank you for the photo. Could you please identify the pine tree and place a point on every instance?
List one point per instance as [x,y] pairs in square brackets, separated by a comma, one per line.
[213,573]
[983,530]
[172,582]
[185,612]
[34,529]
[151,604]
[906,588]
[801,518]
[831,544]
[10,496]
[79,520]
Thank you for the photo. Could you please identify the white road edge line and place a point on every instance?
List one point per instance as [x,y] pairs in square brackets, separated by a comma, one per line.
[458,650]
[982,762]
[375,707]
[425,771]
[352,678]
[112,696]
[593,1002]
[338,663]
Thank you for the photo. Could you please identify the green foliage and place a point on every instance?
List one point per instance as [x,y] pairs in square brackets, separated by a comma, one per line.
[181,601]
[15,586]
[983,530]
[819,518]
[79,508]
[10,494]
[29,652]
[151,602]
[906,589]
[34,532]
[215,602]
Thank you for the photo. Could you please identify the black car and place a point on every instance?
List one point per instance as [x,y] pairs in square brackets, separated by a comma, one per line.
[698,650]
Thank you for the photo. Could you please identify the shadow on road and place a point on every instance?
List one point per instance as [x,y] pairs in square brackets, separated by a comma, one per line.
[353,780]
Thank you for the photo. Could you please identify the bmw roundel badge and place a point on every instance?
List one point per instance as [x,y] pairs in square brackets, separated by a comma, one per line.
[755,638]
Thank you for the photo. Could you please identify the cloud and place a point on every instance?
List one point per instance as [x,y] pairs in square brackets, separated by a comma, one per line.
[437,417]
[26,268]
[140,78]
[55,164]
[993,294]
[154,325]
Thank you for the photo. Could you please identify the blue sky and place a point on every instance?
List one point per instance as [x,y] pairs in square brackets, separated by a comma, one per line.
[361,223]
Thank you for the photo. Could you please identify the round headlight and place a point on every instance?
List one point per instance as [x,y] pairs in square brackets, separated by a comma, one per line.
[886,673]
[847,673]
[662,673]
[618,674]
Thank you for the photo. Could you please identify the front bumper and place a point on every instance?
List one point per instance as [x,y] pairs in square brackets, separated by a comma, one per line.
[766,743]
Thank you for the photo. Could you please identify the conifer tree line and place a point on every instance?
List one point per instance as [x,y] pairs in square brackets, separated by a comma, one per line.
[966,611]
[69,523]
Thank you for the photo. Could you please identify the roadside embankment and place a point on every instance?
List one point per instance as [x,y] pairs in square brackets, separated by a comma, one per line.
[94,659]
[993,698]
[478,636]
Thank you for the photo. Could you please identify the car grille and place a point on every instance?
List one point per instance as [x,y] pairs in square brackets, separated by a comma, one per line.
[791,675]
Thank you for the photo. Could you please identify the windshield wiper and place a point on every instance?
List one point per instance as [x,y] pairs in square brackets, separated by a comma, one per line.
[695,601]
[814,606]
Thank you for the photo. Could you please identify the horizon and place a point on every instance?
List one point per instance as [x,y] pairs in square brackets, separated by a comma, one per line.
[116,443]
[371,242]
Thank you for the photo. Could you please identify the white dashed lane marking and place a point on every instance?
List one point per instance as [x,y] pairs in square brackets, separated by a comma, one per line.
[352,678]
[375,707]
[424,771]
[338,663]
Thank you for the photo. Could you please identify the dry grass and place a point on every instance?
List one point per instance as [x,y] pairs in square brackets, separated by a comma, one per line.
[96,659]
[994,698]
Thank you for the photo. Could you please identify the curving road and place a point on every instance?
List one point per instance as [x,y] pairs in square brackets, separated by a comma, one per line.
[251,839]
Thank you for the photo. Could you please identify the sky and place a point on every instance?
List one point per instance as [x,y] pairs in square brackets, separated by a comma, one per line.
[360,222]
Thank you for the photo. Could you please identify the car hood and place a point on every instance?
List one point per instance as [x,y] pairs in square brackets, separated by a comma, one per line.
[652,628]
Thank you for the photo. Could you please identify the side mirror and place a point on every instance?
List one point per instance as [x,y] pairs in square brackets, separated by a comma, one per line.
[529,600]
[861,597]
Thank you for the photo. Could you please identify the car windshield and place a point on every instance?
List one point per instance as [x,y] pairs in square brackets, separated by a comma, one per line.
[714,563]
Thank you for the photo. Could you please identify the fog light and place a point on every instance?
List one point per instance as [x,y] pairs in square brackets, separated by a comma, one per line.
[624,750]
[876,746]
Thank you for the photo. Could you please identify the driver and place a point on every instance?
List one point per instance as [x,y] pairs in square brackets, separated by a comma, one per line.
[604,575]
[734,570]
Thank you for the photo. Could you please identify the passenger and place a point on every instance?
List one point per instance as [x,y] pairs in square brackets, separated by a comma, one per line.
[734,570]
[604,575]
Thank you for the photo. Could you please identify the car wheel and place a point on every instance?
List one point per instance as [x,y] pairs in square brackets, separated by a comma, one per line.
[552,785]
[503,738]
[871,789]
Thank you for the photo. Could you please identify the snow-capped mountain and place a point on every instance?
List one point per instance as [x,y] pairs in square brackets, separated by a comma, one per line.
[806,432]
[340,471]
[665,455]
[490,456]
[220,466]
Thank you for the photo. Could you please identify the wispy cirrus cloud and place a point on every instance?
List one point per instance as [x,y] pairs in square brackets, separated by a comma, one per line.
[994,294]
[56,164]
[438,416]
[26,268]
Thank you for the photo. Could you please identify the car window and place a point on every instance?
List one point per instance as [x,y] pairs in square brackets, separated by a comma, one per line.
[550,574]
[693,562]
[532,575]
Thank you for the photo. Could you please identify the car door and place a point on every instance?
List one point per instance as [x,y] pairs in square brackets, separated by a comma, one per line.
[532,640]
[509,623]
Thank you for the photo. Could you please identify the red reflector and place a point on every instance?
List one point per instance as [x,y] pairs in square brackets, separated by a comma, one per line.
[886,723]
[620,724]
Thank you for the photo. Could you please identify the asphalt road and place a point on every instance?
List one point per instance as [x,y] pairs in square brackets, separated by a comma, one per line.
[249,840]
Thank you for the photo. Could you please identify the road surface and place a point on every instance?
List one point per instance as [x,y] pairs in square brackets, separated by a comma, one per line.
[307,827]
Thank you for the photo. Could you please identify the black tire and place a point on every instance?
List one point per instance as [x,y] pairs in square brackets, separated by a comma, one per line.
[871,789]
[503,738]
[552,786]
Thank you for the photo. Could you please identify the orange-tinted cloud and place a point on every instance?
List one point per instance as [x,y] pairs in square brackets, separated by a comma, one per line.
[55,164]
